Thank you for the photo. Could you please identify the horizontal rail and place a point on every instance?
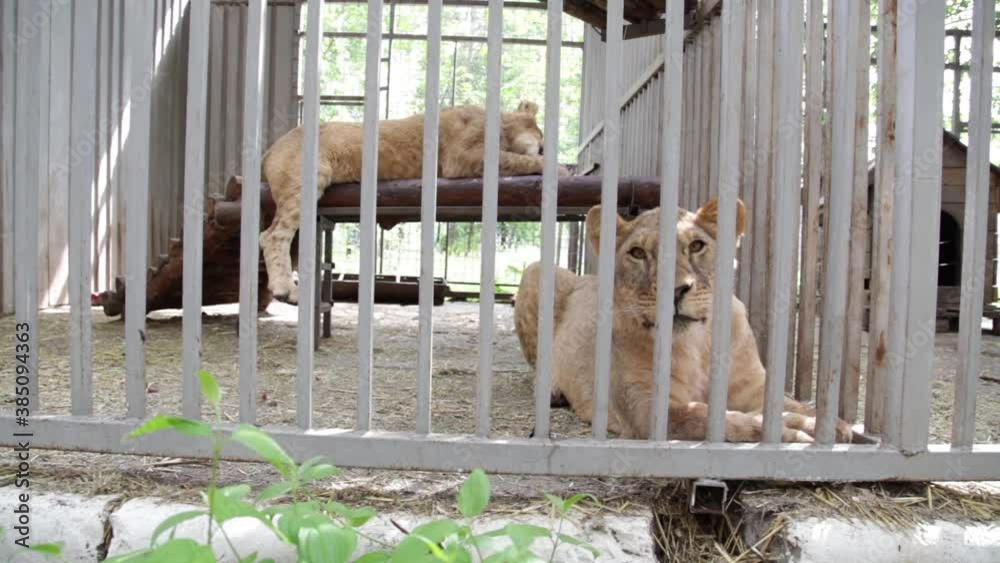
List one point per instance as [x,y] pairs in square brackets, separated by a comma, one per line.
[456,38]
[623,458]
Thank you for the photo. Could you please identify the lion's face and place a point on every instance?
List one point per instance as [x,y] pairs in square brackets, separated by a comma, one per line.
[637,248]
[521,134]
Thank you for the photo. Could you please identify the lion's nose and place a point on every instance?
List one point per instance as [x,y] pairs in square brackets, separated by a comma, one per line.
[680,291]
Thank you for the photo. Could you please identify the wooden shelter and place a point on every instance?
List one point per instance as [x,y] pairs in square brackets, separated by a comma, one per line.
[952,228]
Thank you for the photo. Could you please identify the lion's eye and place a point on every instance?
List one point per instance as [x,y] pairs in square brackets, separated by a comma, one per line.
[696,246]
[637,253]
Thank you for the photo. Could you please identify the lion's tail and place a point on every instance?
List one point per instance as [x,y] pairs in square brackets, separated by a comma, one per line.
[526,305]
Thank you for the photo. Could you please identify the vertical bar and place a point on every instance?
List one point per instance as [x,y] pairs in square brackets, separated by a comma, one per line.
[748,160]
[851,380]
[81,185]
[491,179]
[810,227]
[714,127]
[194,199]
[977,185]
[885,156]
[26,186]
[928,51]
[369,185]
[673,116]
[915,224]
[956,91]
[550,196]
[728,190]
[306,338]
[8,82]
[250,219]
[137,67]
[694,193]
[764,153]
[788,172]
[428,209]
[609,219]
[838,218]
[705,159]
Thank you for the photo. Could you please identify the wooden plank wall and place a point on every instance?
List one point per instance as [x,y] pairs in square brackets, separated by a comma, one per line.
[168,90]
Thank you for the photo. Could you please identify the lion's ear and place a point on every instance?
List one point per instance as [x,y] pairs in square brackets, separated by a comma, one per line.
[528,107]
[622,229]
[708,217]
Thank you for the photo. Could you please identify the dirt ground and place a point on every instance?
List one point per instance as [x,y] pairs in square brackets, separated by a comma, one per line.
[395,382]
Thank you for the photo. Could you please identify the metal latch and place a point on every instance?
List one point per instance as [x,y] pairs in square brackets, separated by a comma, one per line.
[708,496]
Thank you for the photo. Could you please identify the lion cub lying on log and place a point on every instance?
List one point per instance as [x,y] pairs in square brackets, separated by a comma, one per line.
[400,156]
[630,408]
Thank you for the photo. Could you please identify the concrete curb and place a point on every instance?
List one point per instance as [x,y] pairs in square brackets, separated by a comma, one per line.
[76,521]
[80,523]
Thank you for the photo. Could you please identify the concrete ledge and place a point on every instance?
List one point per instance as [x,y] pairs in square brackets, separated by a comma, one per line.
[76,521]
[840,540]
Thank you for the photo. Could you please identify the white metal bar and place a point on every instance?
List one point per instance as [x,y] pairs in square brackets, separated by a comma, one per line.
[977,185]
[805,343]
[81,186]
[550,195]
[764,152]
[850,382]
[428,210]
[250,218]
[673,117]
[491,186]
[715,127]
[788,172]
[307,219]
[728,190]
[26,187]
[837,222]
[137,65]
[800,462]
[609,219]
[922,38]
[194,198]
[697,153]
[369,181]
[747,158]
[881,252]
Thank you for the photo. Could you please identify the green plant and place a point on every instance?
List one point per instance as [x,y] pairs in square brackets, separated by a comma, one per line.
[328,532]
[47,549]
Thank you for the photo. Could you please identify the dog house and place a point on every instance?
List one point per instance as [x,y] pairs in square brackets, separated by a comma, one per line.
[953,194]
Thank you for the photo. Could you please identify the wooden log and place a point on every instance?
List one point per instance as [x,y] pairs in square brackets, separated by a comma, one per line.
[524,192]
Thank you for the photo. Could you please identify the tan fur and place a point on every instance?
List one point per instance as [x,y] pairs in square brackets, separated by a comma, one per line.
[633,336]
[400,156]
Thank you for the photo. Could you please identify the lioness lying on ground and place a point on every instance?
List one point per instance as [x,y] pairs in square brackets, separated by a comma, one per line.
[630,408]
[400,156]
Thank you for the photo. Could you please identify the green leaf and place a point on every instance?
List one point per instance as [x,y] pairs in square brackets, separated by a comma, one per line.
[275,490]
[173,521]
[414,545]
[579,543]
[316,472]
[173,551]
[209,388]
[568,504]
[523,535]
[227,503]
[266,447]
[474,494]
[354,517]
[252,558]
[50,549]
[374,557]
[557,502]
[176,423]
[322,541]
